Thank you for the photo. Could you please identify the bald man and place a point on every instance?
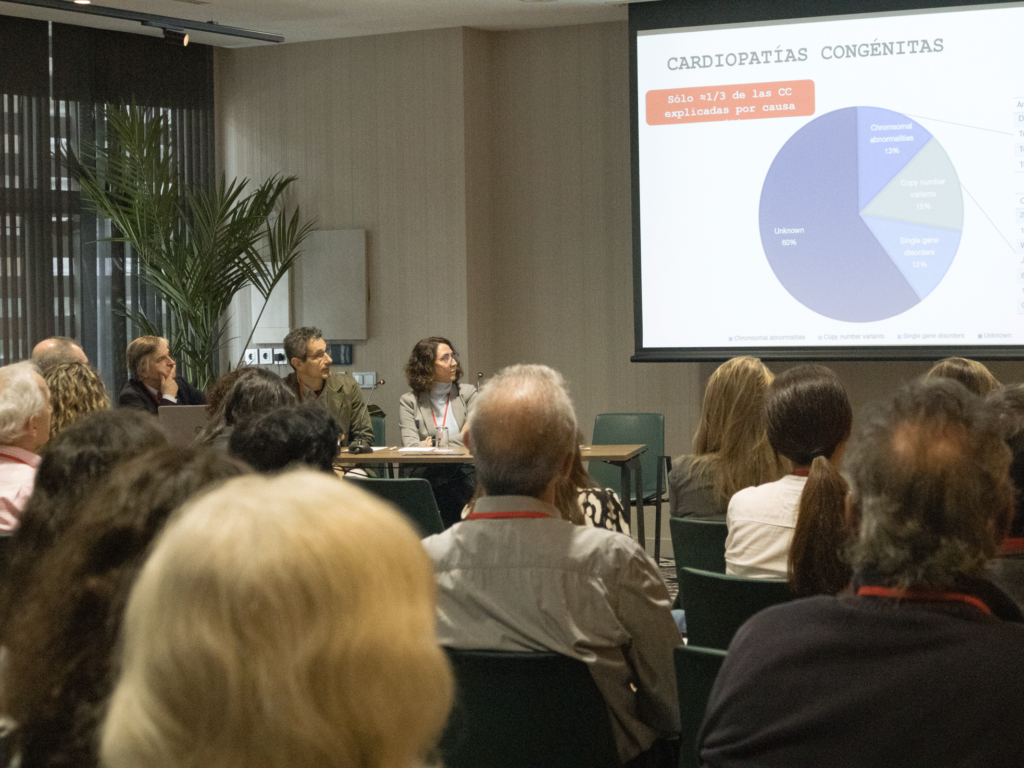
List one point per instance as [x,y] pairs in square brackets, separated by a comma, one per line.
[516,576]
[49,353]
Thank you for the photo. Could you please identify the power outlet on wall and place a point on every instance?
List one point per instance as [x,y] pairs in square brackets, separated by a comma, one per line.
[365,380]
[252,356]
[266,356]
[279,356]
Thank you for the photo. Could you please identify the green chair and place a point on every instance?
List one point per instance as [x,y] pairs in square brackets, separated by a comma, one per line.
[411,495]
[698,543]
[631,429]
[525,710]
[696,670]
[379,440]
[717,605]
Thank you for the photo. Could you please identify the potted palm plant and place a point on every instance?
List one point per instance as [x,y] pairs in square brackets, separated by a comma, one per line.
[197,246]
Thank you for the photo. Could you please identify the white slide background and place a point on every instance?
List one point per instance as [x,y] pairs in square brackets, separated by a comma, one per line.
[705,277]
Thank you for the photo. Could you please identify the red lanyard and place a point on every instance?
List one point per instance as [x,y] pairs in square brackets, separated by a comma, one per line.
[504,515]
[924,594]
[446,401]
[1013,545]
[15,458]
[801,471]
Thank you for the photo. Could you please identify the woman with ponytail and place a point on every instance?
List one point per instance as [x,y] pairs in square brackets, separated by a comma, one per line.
[809,420]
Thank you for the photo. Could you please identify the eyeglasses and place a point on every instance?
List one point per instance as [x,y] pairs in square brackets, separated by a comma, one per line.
[448,358]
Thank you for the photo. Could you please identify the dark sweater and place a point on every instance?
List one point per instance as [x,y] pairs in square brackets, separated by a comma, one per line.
[135,394]
[872,681]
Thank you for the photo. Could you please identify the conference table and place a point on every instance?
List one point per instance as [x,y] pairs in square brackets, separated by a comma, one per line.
[626,457]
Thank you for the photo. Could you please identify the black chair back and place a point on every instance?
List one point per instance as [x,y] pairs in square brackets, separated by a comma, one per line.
[717,605]
[698,543]
[696,670]
[411,495]
[517,710]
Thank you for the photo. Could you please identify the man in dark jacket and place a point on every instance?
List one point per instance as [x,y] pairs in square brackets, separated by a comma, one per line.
[923,665]
[153,379]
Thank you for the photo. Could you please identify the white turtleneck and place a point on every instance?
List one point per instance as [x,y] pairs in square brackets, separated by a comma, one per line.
[438,399]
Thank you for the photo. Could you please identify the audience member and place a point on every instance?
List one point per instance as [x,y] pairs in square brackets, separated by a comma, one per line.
[254,393]
[61,642]
[972,374]
[584,503]
[1007,570]
[24,429]
[730,449]
[924,666]
[312,382]
[218,390]
[808,418]
[75,390]
[153,378]
[75,462]
[288,435]
[438,401]
[59,350]
[515,576]
[280,623]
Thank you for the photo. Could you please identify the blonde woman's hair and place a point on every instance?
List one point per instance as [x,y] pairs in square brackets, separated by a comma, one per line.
[731,444]
[972,374]
[75,390]
[281,622]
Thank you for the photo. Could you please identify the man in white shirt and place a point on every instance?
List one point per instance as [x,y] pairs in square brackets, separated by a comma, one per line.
[516,576]
[24,429]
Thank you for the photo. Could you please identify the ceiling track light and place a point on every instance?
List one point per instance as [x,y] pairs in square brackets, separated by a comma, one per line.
[152,20]
[172,35]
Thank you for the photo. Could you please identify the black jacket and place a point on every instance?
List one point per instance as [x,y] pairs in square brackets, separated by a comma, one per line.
[135,394]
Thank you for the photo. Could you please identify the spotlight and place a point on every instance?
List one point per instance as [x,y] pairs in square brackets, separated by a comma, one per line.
[175,36]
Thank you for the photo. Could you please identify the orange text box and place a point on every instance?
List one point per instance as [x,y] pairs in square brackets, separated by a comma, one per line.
[751,101]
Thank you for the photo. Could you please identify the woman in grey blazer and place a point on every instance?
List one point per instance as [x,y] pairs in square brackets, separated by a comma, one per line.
[436,400]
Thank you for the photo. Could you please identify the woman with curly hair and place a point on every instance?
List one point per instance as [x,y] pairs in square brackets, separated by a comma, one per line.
[75,390]
[436,402]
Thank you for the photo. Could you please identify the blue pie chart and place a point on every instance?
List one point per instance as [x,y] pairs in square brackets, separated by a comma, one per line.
[861,214]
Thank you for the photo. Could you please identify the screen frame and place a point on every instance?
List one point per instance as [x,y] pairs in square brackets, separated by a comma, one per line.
[673,14]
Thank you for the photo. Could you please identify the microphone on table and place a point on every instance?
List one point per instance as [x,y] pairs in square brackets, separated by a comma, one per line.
[479,379]
[379,382]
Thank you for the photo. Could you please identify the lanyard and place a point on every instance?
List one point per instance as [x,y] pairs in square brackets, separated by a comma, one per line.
[8,457]
[443,420]
[924,594]
[504,515]
[801,471]
[1013,545]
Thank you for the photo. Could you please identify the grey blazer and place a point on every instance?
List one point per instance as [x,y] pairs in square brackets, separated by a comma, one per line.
[417,422]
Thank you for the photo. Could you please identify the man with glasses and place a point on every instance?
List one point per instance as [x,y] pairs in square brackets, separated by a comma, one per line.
[312,382]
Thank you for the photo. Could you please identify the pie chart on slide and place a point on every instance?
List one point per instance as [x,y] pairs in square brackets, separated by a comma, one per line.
[861,214]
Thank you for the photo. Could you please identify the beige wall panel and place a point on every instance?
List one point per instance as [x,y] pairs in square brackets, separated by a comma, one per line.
[562,224]
[373,128]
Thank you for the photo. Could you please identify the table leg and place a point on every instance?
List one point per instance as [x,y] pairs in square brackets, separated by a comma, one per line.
[391,471]
[641,534]
[624,489]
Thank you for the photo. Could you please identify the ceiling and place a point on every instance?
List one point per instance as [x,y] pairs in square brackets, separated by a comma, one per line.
[304,20]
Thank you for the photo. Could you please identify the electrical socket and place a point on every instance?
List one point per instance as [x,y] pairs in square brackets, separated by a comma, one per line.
[365,380]
[266,356]
[279,356]
[252,356]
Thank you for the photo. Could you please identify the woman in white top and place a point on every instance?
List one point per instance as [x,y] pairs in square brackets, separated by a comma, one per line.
[437,400]
[809,421]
